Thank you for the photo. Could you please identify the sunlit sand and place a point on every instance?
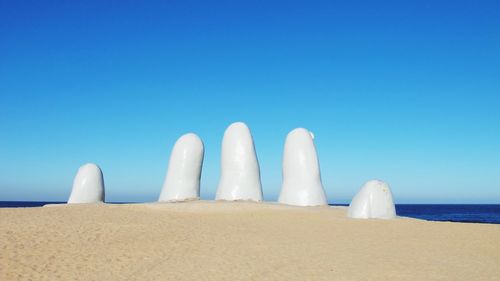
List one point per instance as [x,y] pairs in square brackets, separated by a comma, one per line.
[205,240]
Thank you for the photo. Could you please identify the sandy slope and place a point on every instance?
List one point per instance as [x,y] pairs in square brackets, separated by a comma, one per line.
[237,241]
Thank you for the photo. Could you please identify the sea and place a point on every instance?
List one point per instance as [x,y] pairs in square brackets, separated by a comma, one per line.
[465,213]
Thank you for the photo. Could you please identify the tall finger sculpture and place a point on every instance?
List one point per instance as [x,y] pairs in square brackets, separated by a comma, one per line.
[182,181]
[301,175]
[240,174]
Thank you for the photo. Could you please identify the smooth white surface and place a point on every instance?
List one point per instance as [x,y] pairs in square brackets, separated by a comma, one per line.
[240,175]
[374,200]
[301,176]
[88,185]
[182,181]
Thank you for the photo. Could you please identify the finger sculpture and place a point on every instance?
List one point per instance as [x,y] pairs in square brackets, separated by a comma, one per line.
[182,181]
[374,200]
[240,175]
[88,185]
[301,175]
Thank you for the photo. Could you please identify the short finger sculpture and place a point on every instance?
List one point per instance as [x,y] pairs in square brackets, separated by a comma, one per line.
[374,200]
[88,185]
[240,175]
[301,175]
[182,181]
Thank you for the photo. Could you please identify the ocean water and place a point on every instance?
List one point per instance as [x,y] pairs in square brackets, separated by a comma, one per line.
[471,213]
[451,212]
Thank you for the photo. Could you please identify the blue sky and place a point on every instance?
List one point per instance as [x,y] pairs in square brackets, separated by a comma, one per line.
[404,91]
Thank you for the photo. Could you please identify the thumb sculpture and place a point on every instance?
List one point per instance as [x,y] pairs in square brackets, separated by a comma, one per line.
[88,185]
[301,176]
[374,200]
[240,175]
[182,181]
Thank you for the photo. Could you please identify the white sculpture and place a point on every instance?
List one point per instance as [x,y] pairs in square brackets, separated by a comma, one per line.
[240,175]
[374,200]
[301,176]
[88,185]
[182,181]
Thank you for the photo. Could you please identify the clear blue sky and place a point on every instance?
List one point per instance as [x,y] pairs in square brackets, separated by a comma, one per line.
[404,91]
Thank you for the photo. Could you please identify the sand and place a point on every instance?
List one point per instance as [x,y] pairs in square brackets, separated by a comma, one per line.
[204,240]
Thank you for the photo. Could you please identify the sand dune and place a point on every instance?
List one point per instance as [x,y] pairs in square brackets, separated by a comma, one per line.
[237,241]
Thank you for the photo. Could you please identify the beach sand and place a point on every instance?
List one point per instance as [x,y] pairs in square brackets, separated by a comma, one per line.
[204,240]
